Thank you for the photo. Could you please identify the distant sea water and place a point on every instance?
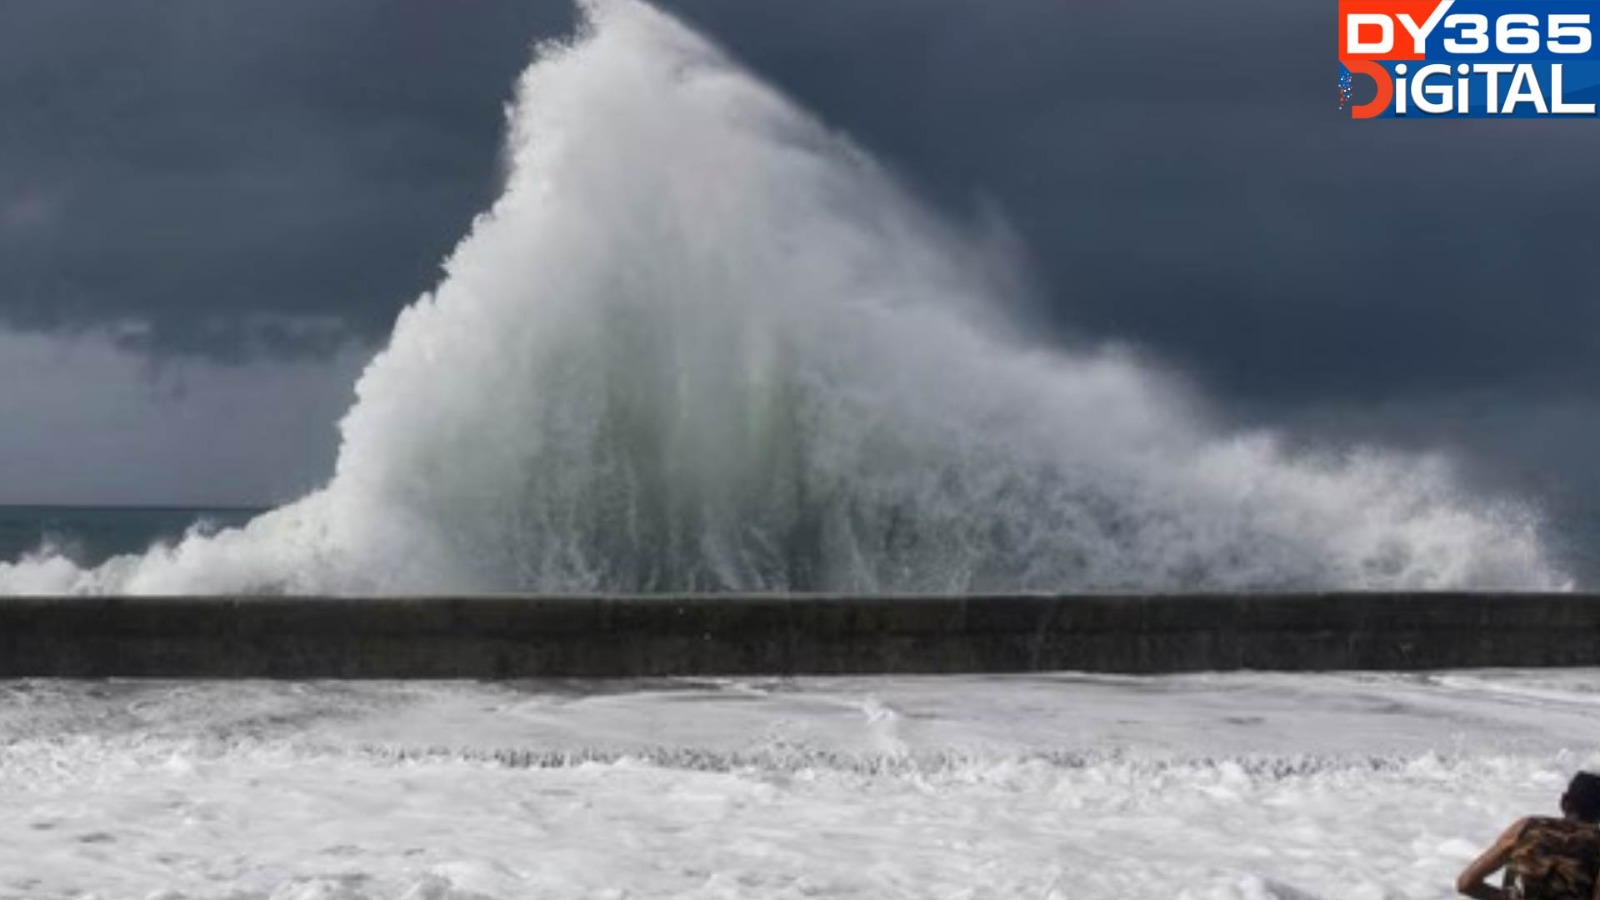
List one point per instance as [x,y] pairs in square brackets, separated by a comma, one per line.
[90,535]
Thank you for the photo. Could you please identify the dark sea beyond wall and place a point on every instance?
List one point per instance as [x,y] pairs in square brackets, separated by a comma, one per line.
[89,535]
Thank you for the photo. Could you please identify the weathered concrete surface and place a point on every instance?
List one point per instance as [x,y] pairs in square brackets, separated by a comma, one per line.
[525,637]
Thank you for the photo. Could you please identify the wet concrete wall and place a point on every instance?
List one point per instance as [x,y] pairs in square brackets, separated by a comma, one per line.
[631,637]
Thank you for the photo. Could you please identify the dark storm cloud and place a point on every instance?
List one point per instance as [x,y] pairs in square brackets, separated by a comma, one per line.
[211,167]
[1175,168]
[284,174]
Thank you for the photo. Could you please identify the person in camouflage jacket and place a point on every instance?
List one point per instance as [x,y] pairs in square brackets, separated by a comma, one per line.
[1545,858]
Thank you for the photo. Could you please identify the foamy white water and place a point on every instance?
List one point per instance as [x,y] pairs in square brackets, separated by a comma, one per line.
[1221,786]
[702,343]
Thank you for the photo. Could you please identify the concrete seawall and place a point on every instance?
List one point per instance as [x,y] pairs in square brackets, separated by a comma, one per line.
[630,637]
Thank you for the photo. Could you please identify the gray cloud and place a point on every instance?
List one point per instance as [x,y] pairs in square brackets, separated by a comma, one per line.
[205,166]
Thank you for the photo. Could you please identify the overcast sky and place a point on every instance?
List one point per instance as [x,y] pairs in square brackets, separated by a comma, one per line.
[211,211]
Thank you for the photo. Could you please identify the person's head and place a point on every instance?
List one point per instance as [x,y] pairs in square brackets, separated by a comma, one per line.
[1582,799]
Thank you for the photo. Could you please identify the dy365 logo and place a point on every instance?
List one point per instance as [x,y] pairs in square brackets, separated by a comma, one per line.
[1469,58]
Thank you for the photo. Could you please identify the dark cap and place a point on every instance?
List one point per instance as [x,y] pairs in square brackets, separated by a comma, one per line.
[1582,798]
